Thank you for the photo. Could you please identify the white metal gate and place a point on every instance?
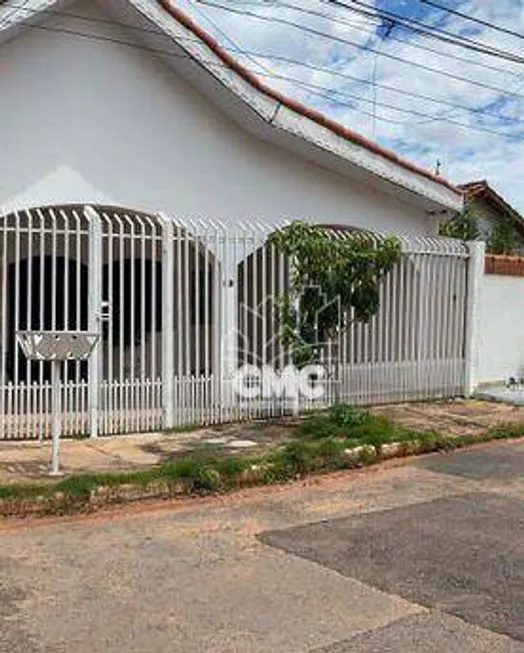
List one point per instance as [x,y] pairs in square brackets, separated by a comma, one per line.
[182,304]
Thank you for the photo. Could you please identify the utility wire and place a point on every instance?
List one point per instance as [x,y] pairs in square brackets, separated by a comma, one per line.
[325,90]
[305,10]
[311,87]
[396,37]
[287,61]
[473,19]
[321,91]
[442,118]
[226,36]
[422,28]
[375,19]
[387,87]
[359,46]
[390,28]
[418,27]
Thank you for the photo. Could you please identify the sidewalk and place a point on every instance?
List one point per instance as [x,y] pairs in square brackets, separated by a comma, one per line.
[27,461]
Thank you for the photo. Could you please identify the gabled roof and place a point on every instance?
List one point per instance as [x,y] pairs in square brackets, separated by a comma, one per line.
[482,190]
[291,123]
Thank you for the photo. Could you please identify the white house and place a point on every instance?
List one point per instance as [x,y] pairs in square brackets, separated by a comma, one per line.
[129,108]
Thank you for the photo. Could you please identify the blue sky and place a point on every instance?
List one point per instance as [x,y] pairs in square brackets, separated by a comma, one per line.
[426,99]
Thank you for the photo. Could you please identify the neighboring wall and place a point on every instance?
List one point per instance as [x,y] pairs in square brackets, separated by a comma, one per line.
[501,315]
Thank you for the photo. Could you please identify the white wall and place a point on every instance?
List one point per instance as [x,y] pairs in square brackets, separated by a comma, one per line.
[91,121]
[501,315]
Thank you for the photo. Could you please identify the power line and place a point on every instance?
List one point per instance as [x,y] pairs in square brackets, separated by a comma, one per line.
[359,46]
[415,26]
[387,87]
[319,90]
[225,35]
[290,61]
[443,118]
[473,19]
[392,37]
[428,30]
[282,59]
[414,112]
[155,51]
[315,89]
[411,44]
[304,10]
[448,114]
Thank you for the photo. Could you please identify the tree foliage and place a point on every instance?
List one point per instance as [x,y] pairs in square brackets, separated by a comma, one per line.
[464,225]
[329,276]
[501,239]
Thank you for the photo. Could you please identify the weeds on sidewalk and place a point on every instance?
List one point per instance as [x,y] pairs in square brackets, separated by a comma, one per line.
[343,437]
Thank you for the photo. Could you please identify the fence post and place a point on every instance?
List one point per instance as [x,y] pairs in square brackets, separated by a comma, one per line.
[472,328]
[168,322]
[94,308]
[229,335]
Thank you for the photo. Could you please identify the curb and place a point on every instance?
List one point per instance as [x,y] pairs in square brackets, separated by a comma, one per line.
[61,503]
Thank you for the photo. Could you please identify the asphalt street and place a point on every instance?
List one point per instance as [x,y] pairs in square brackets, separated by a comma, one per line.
[418,556]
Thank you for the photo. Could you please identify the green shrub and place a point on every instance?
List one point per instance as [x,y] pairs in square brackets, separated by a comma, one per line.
[298,457]
[78,486]
[198,475]
[331,447]
[354,425]
[347,416]
[430,441]
[293,459]
[330,454]
[317,428]
[231,468]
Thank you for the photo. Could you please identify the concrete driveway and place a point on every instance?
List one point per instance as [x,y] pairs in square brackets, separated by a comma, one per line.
[420,556]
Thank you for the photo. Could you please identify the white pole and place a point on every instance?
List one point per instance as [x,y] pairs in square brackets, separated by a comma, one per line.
[94,308]
[474,289]
[57,419]
[168,321]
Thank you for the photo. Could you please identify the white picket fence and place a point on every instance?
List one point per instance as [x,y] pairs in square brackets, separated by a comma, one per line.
[131,406]
[136,406]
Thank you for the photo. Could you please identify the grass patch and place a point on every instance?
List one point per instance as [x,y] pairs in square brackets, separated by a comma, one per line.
[187,428]
[341,438]
[506,431]
[355,426]
[24,491]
